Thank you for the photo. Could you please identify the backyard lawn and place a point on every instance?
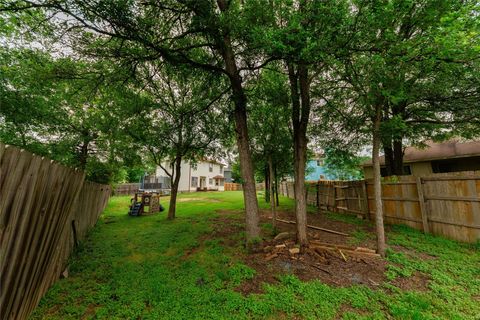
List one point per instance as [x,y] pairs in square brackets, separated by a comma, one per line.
[196,268]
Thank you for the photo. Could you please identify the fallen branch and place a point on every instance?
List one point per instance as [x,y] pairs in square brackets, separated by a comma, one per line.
[321,269]
[316,228]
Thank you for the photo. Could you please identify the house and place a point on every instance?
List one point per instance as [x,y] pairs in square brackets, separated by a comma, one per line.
[315,170]
[227,174]
[201,176]
[450,156]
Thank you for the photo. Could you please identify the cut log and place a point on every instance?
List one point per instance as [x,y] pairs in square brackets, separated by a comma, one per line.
[283,236]
[362,249]
[340,246]
[294,250]
[315,227]
[271,256]
[353,252]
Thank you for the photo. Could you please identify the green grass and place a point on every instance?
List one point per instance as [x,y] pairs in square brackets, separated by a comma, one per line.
[151,268]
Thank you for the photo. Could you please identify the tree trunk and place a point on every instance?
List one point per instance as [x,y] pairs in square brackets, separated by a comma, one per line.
[241,133]
[83,156]
[267,184]
[394,157]
[398,157]
[389,160]
[272,197]
[276,186]
[377,184]
[300,112]
[174,189]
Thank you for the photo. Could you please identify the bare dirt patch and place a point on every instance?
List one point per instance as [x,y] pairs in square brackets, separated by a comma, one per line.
[279,257]
[417,282]
[337,267]
[328,266]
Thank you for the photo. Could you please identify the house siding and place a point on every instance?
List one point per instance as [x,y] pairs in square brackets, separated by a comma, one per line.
[200,171]
[316,172]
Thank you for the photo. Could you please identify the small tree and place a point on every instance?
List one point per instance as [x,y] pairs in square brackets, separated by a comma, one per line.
[176,118]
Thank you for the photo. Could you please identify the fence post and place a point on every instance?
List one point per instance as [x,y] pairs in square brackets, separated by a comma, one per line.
[366,207]
[423,208]
[318,197]
[334,197]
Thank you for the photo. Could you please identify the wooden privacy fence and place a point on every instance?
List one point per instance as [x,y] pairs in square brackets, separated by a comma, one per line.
[45,209]
[126,189]
[230,186]
[446,205]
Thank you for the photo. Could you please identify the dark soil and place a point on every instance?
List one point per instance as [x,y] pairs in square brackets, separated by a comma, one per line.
[328,266]
[417,282]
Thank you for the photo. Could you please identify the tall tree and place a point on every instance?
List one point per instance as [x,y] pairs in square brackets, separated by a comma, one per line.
[270,129]
[197,34]
[304,35]
[396,54]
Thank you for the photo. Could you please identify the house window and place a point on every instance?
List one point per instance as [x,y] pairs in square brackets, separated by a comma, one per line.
[217,182]
[210,181]
[210,167]
[322,177]
[194,182]
[319,162]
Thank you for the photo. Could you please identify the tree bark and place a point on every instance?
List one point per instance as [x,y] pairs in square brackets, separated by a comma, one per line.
[83,155]
[389,160]
[174,189]
[272,197]
[276,186]
[398,157]
[394,157]
[241,134]
[377,184]
[267,184]
[300,112]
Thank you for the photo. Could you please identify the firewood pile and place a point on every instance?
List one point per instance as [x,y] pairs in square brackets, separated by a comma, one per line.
[322,252]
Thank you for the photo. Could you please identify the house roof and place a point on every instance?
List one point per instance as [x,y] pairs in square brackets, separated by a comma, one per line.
[437,151]
[218,177]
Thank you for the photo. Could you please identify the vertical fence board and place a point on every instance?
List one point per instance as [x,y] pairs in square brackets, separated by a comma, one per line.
[39,200]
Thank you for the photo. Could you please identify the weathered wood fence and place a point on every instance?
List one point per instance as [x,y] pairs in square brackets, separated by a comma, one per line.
[126,189]
[45,209]
[230,186]
[446,205]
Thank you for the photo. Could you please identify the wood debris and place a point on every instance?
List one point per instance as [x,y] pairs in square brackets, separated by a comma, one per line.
[271,256]
[359,251]
[294,250]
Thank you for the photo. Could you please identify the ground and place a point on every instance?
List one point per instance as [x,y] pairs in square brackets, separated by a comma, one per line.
[196,268]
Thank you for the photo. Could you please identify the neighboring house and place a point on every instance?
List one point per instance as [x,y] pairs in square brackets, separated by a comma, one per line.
[316,170]
[202,176]
[450,156]
[227,174]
